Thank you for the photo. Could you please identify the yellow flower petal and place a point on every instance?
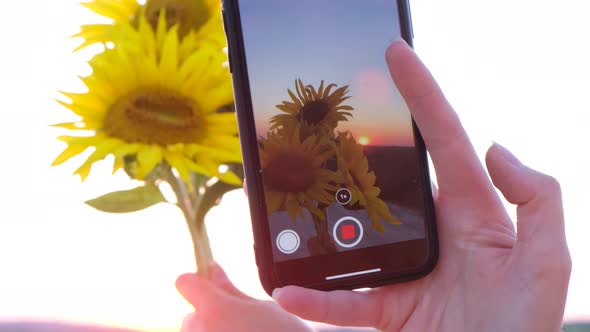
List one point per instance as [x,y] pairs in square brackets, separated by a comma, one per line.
[169,57]
[85,100]
[192,66]
[118,164]
[108,8]
[93,34]
[79,110]
[148,157]
[231,178]
[200,168]
[70,152]
[73,125]
[177,161]
[126,150]
[102,150]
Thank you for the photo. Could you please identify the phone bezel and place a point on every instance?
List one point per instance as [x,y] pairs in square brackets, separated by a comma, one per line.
[273,275]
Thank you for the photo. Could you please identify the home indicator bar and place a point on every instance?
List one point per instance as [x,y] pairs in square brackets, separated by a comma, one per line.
[353,274]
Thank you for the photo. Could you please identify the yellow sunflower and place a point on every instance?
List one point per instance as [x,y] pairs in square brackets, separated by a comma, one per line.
[146,41]
[317,111]
[294,173]
[152,107]
[361,182]
[197,19]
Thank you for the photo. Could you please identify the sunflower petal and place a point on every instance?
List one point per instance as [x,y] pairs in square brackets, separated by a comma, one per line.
[295,99]
[148,157]
[345,108]
[130,6]
[177,161]
[146,35]
[118,164]
[79,125]
[300,91]
[86,100]
[223,119]
[126,150]
[79,110]
[169,57]
[109,9]
[191,66]
[328,89]
[274,201]
[70,152]
[288,108]
[321,90]
[231,178]
[93,34]
[216,153]
[218,98]
[161,29]
[102,150]
[339,92]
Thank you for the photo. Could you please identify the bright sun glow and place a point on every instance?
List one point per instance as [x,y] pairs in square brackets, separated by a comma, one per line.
[364,140]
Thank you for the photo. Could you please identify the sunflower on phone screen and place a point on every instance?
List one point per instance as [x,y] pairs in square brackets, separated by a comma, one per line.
[316,111]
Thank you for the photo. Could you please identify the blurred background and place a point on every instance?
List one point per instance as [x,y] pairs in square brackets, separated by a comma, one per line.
[517,72]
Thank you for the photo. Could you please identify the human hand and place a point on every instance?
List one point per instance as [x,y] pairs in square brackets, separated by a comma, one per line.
[222,307]
[489,277]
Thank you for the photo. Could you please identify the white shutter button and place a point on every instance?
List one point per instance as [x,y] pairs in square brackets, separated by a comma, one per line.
[288,241]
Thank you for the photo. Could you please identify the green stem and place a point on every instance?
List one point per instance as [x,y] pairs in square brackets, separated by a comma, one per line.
[188,200]
[323,233]
[201,247]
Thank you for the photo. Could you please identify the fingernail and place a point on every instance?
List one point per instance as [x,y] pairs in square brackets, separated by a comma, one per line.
[395,42]
[506,154]
[276,293]
[396,46]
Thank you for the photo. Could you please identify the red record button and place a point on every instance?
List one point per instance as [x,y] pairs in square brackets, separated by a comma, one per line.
[348,232]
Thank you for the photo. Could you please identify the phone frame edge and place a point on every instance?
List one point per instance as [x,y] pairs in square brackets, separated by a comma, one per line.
[248,141]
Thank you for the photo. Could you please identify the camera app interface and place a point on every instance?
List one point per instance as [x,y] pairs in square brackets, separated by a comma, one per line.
[336,143]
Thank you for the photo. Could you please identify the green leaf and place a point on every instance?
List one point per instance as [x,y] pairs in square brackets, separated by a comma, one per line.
[128,201]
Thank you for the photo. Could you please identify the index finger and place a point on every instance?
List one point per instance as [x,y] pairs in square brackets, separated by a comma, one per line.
[459,171]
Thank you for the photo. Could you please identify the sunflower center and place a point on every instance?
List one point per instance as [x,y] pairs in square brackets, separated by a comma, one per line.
[289,172]
[314,112]
[155,117]
[187,14]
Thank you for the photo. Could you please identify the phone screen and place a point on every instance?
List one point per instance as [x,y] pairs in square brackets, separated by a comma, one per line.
[337,149]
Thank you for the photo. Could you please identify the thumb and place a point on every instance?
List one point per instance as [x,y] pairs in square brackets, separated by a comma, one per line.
[194,288]
[190,285]
[220,279]
[541,228]
[218,310]
[205,296]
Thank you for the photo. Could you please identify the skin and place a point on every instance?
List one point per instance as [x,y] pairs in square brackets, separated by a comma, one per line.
[490,276]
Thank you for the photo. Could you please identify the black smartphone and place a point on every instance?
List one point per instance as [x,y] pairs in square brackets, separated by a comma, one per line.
[337,172]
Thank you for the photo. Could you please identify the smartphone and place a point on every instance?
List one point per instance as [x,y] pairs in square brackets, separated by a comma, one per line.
[336,169]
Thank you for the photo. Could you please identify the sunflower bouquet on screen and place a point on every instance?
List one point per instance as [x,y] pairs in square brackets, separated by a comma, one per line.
[159,102]
[305,159]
